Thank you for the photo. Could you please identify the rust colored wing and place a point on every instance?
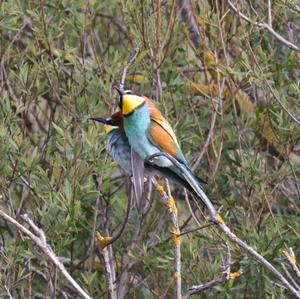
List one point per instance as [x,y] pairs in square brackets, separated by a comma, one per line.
[157,117]
[164,140]
[162,134]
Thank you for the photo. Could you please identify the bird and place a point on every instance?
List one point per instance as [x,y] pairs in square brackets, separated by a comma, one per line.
[148,132]
[121,152]
[118,145]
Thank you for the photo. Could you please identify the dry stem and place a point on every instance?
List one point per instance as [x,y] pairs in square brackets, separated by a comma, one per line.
[39,238]
[169,201]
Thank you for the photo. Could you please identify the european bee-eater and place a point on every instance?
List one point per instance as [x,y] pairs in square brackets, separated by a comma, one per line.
[148,132]
[120,150]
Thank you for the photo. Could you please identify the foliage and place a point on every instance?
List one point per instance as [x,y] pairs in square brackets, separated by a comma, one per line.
[59,63]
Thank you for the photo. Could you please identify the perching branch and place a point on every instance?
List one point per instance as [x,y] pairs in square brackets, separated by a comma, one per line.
[108,264]
[265,26]
[39,238]
[127,64]
[169,201]
[216,218]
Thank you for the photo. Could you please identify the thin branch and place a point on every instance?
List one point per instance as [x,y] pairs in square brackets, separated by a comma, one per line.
[8,292]
[169,201]
[212,126]
[186,197]
[109,271]
[289,275]
[176,240]
[216,218]
[39,239]
[269,13]
[226,275]
[95,218]
[106,251]
[118,235]
[127,65]
[265,26]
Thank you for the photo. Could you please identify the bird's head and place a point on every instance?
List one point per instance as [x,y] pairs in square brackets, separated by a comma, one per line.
[129,102]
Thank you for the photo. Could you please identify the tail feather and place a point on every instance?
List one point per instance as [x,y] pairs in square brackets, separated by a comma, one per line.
[178,178]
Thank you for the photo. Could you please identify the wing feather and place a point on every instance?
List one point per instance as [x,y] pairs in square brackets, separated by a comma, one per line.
[138,170]
[158,118]
[161,138]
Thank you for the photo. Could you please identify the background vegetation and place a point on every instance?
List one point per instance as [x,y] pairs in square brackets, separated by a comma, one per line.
[222,88]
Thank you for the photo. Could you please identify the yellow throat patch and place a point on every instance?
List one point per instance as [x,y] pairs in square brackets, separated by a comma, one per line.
[109,128]
[131,102]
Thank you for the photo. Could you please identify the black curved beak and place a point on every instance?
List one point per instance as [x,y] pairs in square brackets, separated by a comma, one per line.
[106,121]
[99,119]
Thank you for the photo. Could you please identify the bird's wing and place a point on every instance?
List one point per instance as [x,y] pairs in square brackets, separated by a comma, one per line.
[137,165]
[157,117]
[162,135]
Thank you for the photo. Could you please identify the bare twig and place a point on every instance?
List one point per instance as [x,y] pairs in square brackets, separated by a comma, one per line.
[8,292]
[95,218]
[118,235]
[211,129]
[265,26]
[169,201]
[127,65]
[269,13]
[289,275]
[39,239]
[109,271]
[176,240]
[106,251]
[226,275]
[216,218]
[186,197]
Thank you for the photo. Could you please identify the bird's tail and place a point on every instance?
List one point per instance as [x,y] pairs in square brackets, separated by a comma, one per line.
[181,179]
[196,187]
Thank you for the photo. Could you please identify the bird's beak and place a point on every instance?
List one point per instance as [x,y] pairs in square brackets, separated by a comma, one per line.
[99,119]
[106,121]
[120,92]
